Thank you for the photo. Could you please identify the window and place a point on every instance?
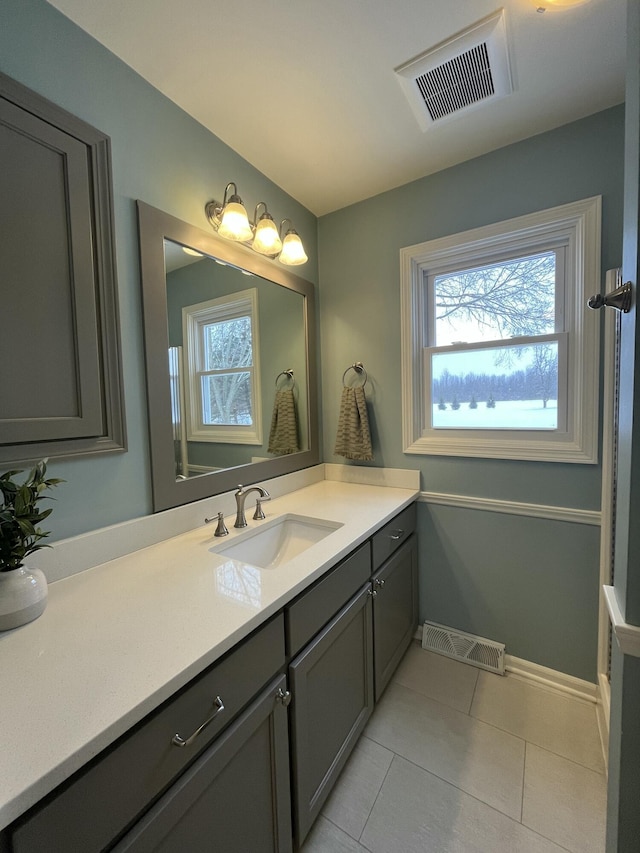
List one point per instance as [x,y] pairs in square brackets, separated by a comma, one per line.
[500,353]
[223,399]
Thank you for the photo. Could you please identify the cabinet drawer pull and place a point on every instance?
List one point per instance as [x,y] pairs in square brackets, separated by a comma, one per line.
[397,535]
[176,740]
[380,582]
[372,593]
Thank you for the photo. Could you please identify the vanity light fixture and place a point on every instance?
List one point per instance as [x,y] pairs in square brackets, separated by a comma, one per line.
[230,220]
[231,217]
[266,240]
[293,252]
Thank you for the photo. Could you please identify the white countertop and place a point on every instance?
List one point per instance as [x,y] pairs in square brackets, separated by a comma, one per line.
[117,640]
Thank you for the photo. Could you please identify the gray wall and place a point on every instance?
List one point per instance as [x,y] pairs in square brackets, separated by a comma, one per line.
[528,582]
[165,158]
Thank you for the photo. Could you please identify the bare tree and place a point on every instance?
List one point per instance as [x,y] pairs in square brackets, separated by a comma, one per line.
[229,348]
[545,370]
[511,298]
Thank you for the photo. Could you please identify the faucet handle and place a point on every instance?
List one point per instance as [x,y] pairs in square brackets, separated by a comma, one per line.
[258,515]
[221,529]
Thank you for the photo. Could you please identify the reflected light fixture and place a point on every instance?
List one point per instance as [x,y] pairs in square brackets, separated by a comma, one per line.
[230,220]
[543,5]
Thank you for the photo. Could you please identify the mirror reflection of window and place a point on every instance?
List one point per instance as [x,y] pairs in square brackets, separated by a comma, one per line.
[227,377]
[222,362]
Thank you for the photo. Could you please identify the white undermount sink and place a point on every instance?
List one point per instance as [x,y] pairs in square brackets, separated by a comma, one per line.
[277,541]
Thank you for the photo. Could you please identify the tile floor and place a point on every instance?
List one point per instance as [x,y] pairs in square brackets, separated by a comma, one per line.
[458,760]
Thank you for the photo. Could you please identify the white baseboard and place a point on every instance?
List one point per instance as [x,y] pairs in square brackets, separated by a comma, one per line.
[552,679]
[544,677]
[603,710]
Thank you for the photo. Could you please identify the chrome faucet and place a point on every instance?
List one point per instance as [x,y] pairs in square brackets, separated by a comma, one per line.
[241,496]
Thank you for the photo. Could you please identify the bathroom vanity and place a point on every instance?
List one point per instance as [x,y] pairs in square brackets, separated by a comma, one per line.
[244,744]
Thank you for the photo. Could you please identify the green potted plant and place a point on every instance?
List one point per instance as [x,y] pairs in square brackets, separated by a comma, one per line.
[23,591]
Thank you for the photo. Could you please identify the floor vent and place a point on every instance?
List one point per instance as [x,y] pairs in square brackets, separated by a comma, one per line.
[469,69]
[485,654]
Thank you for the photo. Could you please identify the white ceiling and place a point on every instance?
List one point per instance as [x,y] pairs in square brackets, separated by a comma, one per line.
[306,91]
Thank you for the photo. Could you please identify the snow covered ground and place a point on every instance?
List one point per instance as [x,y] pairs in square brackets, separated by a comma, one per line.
[511,414]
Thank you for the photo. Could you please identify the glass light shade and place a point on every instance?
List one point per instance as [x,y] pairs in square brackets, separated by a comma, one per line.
[235,223]
[292,252]
[267,240]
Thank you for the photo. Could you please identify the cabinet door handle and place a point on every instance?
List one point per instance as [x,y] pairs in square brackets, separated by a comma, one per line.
[176,740]
[283,696]
[372,593]
[380,582]
[397,535]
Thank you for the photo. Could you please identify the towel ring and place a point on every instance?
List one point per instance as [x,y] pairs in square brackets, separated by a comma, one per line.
[288,373]
[359,369]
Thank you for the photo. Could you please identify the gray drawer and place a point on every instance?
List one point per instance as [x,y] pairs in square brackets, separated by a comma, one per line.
[392,535]
[306,616]
[105,798]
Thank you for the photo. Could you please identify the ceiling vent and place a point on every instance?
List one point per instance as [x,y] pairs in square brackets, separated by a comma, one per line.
[455,76]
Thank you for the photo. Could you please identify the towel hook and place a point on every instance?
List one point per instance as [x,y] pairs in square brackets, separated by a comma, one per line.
[358,366]
[288,373]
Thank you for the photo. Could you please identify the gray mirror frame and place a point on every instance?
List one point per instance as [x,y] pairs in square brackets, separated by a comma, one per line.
[154,226]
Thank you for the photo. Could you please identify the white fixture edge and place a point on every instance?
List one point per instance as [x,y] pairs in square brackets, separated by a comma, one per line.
[627,635]
[554,513]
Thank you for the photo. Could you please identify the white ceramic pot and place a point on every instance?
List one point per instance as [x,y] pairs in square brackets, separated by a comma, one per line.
[23,597]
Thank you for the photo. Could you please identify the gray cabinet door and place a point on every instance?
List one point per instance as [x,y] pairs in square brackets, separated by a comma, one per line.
[332,686]
[235,798]
[395,611]
[60,353]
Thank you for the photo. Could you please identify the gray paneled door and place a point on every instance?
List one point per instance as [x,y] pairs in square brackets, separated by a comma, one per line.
[332,686]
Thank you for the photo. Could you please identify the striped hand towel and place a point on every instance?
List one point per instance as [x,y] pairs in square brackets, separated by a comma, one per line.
[283,437]
[353,440]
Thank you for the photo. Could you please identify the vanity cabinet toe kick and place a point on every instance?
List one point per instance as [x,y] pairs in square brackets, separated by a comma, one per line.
[248,752]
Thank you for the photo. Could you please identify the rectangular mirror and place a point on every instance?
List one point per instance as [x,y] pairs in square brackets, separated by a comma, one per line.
[228,335]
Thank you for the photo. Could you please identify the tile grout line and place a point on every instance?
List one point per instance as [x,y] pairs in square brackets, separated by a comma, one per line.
[451,785]
[482,803]
[473,694]
[377,797]
[464,714]
[524,772]
[343,831]
[570,760]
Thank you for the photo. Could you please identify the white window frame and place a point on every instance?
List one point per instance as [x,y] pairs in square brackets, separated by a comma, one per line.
[194,318]
[575,226]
